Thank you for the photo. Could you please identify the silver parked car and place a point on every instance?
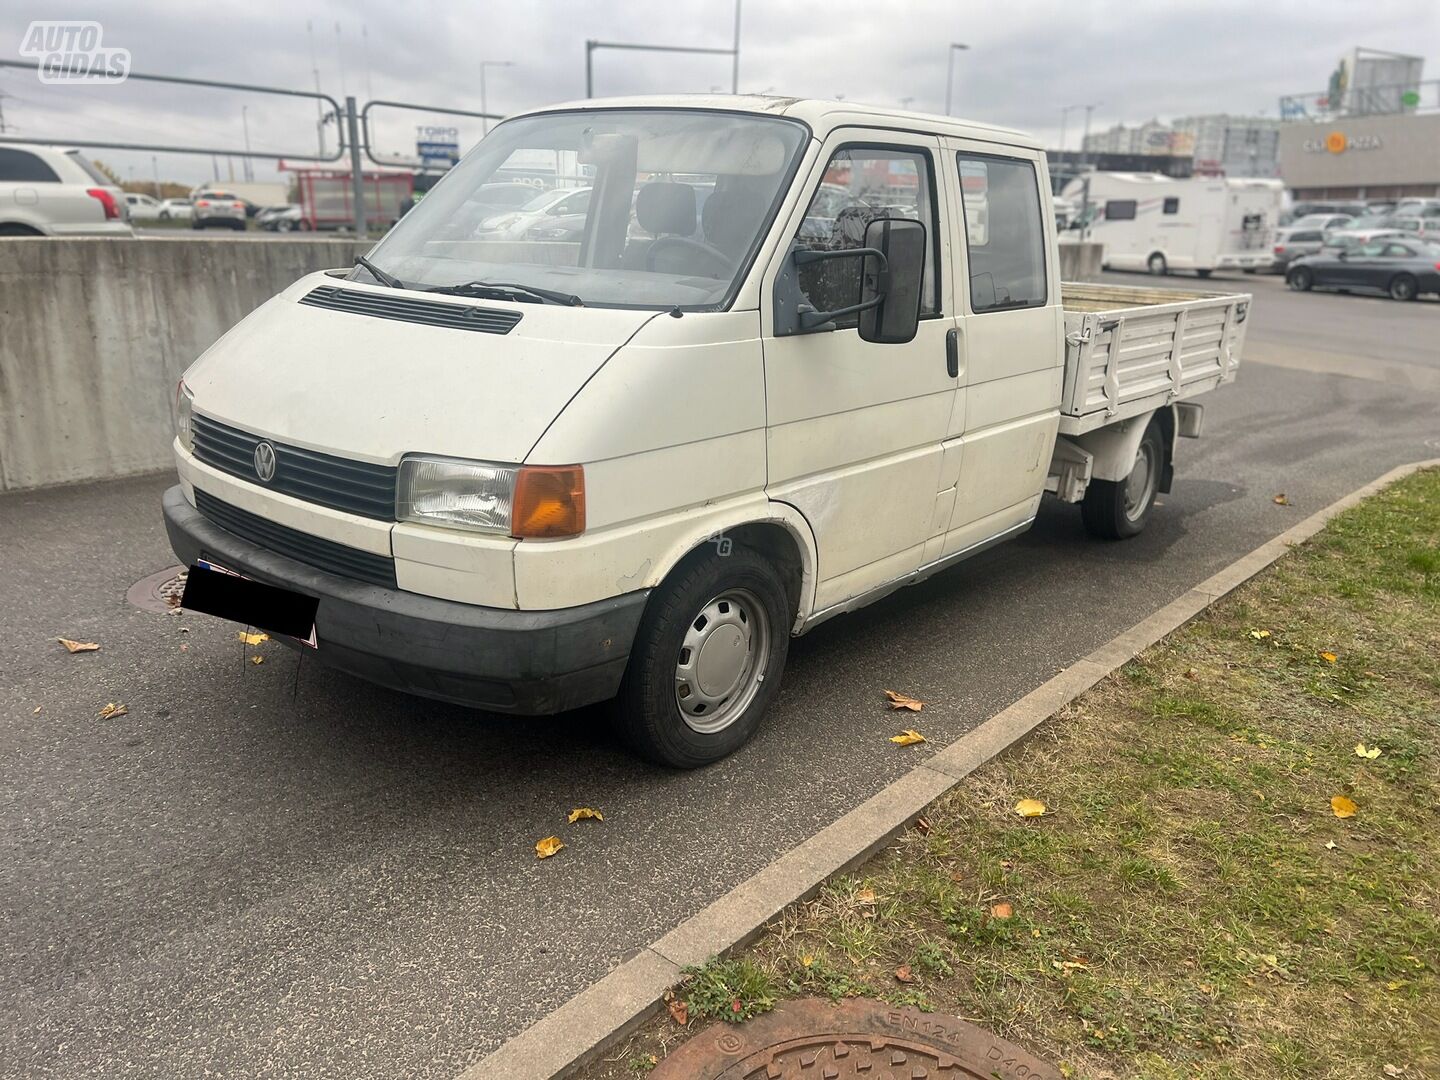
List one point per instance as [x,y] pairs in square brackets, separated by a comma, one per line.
[1293,242]
[52,191]
[222,209]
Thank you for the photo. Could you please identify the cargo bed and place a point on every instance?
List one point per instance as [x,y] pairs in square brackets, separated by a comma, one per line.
[1129,350]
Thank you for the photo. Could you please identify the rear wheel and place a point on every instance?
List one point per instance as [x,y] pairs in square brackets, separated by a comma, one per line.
[1203,273]
[707,659]
[1157,265]
[1403,287]
[14,228]
[1300,279]
[1118,509]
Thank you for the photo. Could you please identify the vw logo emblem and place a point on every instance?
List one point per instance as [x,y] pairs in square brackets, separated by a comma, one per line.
[265,462]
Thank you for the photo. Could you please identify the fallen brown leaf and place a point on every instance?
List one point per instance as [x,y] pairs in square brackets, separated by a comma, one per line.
[902,701]
[583,813]
[1329,657]
[77,646]
[257,659]
[903,974]
[679,1011]
[1343,807]
[908,737]
[1030,808]
[113,709]
[547,847]
[1281,500]
[865,896]
[1002,910]
[252,639]
[922,826]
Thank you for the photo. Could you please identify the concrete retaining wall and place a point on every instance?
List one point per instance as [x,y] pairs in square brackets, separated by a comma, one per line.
[1080,261]
[95,333]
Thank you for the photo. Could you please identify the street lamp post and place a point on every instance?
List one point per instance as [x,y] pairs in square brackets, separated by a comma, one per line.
[955,47]
[485,121]
[245,121]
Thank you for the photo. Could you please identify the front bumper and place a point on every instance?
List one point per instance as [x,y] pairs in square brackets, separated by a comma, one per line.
[525,662]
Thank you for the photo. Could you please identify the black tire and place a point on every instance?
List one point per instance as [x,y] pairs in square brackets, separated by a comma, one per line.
[1300,279]
[1112,510]
[1403,287]
[1203,273]
[647,711]
[14,228]
[196,225]
[1157,265]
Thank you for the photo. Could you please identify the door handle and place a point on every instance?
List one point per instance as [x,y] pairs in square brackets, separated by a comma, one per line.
[952,352]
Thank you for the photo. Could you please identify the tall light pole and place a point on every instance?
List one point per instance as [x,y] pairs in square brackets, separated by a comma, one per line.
[1085,153]
[245,121]
[485,120]
[955,47]
[735,60]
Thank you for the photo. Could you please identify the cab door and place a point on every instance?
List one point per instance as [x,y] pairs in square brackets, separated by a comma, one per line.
[855,428]
[1012,329]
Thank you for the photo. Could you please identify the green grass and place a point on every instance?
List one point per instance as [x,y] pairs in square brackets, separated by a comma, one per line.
[1191,906]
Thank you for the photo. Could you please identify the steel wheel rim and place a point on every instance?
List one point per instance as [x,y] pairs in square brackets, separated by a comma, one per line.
[1140,484]
[720,666]
[1401,289]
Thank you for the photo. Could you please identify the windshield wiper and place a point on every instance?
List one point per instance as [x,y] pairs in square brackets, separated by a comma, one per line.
[507,290]
[378,274]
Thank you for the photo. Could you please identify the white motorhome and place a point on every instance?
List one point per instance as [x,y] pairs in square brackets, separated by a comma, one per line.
[532,475]
[1158,223]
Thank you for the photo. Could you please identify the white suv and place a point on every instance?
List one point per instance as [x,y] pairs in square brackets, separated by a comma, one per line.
[51,191]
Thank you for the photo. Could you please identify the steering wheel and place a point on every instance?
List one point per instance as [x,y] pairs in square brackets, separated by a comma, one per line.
[720,259]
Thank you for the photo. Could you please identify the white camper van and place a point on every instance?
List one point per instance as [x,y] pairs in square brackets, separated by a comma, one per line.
[1157,223]
[530,475]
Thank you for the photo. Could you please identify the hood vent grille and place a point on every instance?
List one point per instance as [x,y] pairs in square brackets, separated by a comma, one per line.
[409,309]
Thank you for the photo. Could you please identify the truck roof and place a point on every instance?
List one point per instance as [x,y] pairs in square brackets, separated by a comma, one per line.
[821,115]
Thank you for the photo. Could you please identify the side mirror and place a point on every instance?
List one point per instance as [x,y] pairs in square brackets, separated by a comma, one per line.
[890,281]
[895,318]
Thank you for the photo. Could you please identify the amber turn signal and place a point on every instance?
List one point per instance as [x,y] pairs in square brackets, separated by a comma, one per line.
[549,502]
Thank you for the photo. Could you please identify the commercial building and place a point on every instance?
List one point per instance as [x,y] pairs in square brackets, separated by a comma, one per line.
[1225,145]
[1372,133]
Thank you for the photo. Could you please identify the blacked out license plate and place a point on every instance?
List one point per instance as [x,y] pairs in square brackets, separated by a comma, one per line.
[216,590]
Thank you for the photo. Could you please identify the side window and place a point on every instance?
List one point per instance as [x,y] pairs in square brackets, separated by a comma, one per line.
[1005,232]
[1120,210]
[1398,251]
[23,167]
[860,185]
[1172,205]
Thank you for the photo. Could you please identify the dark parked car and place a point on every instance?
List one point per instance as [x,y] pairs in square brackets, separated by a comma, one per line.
[1401,268]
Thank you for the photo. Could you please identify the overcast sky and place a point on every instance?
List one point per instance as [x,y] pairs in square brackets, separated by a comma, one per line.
[1026,59]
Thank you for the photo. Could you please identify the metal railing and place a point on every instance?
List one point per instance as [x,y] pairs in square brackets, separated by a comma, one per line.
[1415,97]
[353,123]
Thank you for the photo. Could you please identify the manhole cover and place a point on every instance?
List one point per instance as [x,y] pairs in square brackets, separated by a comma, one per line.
[813,1039]
[159,593]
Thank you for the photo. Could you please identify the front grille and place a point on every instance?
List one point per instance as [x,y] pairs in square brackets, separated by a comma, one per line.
[314,551]
[408,309]
[356,487]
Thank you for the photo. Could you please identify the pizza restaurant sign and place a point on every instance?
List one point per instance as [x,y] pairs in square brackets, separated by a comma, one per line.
[1337,142]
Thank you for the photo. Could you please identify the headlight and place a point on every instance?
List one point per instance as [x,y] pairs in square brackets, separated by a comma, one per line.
[527,502]
[447,491]
[500,221]
[184,406]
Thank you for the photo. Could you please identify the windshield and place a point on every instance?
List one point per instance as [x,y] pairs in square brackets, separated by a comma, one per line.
[673,203]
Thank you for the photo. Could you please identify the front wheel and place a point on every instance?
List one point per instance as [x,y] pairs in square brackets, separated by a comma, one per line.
[1300,279]
[1119,509]
[1403,287]
[707,659]
[1157,265]
[1203,273]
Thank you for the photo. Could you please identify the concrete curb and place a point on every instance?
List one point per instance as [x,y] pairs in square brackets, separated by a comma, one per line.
[617,1004]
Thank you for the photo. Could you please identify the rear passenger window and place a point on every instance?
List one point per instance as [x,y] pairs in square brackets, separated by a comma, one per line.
[1120,210]
[1005,232]
[1172,205]
[21,166]
[862,184]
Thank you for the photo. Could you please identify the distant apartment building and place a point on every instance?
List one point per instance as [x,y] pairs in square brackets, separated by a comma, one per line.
[1152,137]
[1233,145]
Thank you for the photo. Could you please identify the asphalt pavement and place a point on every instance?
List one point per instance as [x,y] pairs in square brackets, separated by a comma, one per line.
[277,870]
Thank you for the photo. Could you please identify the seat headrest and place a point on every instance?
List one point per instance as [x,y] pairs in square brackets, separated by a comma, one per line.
[666,208]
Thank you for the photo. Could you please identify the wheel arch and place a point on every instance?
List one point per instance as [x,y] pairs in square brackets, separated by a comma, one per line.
[1114,447]
[781,533]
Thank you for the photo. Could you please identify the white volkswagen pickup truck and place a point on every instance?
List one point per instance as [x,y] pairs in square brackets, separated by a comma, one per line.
[796,354]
